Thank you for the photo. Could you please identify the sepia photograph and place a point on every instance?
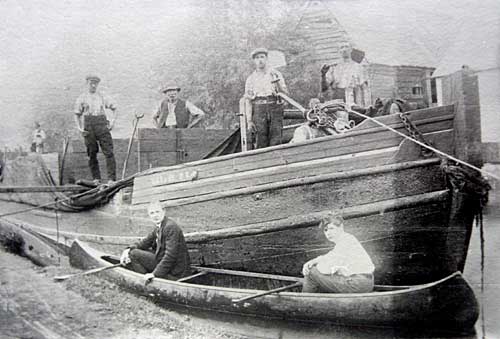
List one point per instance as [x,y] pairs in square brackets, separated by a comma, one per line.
[250,169]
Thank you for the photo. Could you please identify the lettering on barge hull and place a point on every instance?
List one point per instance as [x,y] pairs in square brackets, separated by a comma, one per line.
[173,177]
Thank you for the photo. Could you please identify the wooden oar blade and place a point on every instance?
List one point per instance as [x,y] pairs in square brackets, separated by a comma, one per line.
[94,270]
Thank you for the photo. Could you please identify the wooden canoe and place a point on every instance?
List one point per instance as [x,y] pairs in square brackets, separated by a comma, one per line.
[26,242]
[448,303]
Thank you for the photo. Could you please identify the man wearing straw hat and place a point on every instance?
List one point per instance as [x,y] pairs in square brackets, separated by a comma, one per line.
[173,112]
[95,127]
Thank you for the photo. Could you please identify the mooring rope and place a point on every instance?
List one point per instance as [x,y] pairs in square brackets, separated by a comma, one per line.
[435,150]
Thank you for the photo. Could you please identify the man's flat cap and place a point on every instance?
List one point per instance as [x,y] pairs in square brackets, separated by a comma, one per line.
[170,88]
[260,50]
[93,78]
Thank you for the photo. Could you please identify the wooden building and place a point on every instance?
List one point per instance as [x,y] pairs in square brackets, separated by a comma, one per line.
[396,61]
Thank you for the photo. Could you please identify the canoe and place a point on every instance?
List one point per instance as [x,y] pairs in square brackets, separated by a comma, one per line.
[448,303]
[32,245]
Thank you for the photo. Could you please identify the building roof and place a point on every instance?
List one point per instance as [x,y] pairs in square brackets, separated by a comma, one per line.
[411,33]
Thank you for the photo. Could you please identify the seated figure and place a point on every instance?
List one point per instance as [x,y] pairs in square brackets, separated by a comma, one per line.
[345,269]
[161,254]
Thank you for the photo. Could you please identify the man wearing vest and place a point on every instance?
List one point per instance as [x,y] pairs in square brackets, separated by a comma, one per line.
[265,120]
[173,112]
[96,127]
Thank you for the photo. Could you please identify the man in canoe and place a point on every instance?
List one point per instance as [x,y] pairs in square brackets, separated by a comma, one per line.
[345,269]
[265,118]
[173,112]
[161,254]
[95,127]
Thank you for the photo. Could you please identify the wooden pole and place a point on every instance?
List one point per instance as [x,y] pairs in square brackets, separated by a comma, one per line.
[39,189]
[276,290]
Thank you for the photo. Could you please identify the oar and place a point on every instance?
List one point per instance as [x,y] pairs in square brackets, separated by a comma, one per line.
[95,270]
[288,287]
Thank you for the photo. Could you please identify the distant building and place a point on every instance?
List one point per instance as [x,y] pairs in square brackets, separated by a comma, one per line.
[397,62]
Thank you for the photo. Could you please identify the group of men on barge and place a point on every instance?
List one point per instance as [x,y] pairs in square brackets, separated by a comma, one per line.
[264,118]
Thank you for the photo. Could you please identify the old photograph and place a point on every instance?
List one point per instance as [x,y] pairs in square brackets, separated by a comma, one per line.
[254,169]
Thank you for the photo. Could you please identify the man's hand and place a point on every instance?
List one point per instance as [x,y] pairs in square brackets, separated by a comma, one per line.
[111,125]
[84,132]
[307,267]
[341,270]
[325,69]
[125,257]
[251,127]
[148,277]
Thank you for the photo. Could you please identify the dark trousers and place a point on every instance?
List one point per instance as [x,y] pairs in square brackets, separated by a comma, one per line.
[145,262]
[99,136]
[316,282]
[268,120]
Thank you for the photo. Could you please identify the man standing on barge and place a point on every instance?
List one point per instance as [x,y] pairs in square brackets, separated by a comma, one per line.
[265,119]
[95,127]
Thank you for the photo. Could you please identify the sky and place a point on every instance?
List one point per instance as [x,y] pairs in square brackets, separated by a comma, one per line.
[48,47]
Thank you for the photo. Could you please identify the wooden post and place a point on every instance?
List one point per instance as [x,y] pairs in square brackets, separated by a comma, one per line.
[243,124]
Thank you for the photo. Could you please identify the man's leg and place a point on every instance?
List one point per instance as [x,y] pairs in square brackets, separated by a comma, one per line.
[276,124]
[328,283]
[92,148]
[106,143]
[142,261]
[261,124]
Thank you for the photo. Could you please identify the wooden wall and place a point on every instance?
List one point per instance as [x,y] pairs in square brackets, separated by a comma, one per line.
[158,147]
[461,89]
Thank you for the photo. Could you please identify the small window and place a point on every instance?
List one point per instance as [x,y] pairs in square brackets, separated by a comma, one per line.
[434,97]
[417,90]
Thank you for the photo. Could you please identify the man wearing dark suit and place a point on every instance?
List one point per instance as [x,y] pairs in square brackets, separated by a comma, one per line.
[161,254]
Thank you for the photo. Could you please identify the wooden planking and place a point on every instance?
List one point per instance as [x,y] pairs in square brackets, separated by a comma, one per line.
[301,200]
[387,237]
[119,146]
[268,175]
[284,150]
[355,145]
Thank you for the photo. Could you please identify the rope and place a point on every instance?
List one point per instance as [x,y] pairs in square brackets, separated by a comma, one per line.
[479,223]
[427,146]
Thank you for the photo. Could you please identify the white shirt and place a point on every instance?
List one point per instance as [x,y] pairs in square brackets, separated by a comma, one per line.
[171,119]
[39,136]
[348,252]
[260,84]
[93,104]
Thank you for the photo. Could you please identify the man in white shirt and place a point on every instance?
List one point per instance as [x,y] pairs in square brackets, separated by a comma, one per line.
[173,112]
[347,80]
[265,120]
[345,269]
[96,129]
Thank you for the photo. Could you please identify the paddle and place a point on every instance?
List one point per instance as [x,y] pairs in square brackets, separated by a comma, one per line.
[95,270]
[288,287]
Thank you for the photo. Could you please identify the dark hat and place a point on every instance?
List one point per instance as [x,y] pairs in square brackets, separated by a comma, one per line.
[260,50]
[93,78]
[170,88]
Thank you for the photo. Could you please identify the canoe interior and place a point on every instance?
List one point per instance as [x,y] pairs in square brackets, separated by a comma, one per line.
[238,280]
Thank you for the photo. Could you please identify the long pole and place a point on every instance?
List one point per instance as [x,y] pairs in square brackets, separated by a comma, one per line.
[137,118]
